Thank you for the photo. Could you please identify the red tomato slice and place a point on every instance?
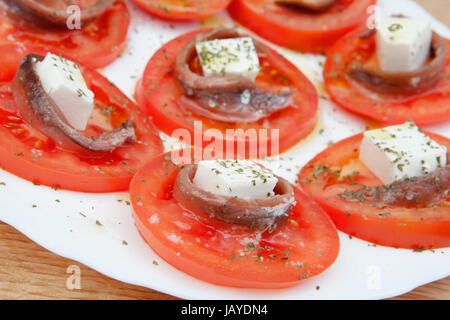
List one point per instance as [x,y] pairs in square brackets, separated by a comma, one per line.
[299,29]
[96,45]
[304,247]
[182,9]
[429,107]
[29,154]
[11,54]
[391,226]
[158,92]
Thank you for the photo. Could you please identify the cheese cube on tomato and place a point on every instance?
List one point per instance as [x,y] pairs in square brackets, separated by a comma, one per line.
[401,151]
[65,85]
[403,44]
[235,178]
[235,56]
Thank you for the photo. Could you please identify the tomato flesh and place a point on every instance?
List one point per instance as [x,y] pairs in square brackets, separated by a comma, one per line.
[31,155]
[158,93]
[11,54]
[338,169]
[64,4]
[182,9]
[96,45]
[304,247]
[299,29]
[431,106]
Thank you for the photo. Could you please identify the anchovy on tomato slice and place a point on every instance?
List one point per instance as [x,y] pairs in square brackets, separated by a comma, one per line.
[276,241]
[303,25]
[96,39]
[269,94]
[410,213]
[64,125]
[182,9]
[356,81]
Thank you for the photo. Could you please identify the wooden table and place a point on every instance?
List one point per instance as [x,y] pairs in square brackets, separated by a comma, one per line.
[27,271]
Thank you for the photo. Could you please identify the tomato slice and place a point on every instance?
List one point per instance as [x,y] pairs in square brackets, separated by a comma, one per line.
[158,93]
[29,154]
[96,45]
[338,168]
[11,54]
[304,247]
[428,107]
[300,29]
[182,9]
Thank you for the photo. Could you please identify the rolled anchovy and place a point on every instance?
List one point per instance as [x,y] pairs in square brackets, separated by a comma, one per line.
[410,192]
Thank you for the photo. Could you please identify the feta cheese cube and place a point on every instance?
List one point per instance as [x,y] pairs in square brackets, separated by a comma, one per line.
[235,178]
[64,83]
[401,151]
[403,44]
[235,56]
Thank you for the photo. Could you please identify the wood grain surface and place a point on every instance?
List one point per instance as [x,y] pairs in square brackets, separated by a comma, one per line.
[27,271]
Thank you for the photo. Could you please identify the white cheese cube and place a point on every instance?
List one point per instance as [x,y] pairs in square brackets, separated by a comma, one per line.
[235,56]
[401,151]
[403,44]
[235,178]
[64,83]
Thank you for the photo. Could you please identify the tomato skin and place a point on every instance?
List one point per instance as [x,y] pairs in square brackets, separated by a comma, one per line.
[11,54]
[210,252]
[299,30]
[29,154]
[96,45]
[158,90]
[395,227]
[429,107]
[180,10]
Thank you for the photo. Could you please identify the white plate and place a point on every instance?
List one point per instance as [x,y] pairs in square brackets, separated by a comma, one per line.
[68,227]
